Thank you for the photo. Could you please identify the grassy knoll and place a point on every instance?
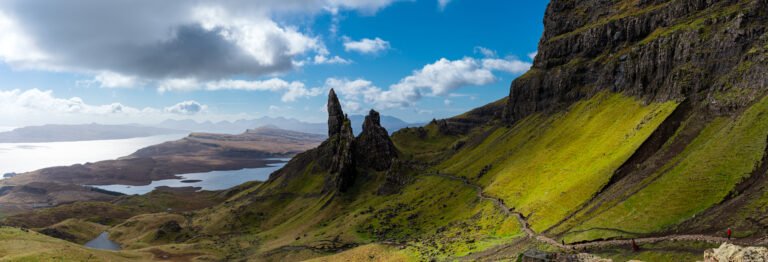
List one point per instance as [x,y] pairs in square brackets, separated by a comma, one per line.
[18,245]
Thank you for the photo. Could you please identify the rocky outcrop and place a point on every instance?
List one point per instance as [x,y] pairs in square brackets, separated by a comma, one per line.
[336,116]
[733,253]
[710,52]
[345,158]
[339,147]
[374,148]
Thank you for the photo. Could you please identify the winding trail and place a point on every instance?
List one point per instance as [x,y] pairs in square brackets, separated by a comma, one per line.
[584,245]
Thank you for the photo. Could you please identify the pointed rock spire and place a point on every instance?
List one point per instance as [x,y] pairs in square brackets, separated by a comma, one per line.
[335,114]
[374,147]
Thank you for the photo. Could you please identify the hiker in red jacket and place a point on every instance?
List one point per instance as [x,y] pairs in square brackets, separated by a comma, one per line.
[729,233]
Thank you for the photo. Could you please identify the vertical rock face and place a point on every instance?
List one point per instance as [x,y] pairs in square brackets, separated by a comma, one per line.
[345,156]
[374,148]
[343,164]
[712,53]
[335,114]
[340,146]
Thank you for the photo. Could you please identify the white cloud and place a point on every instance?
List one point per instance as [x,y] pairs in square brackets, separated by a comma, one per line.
[443,3]
[447,102]
[440,78]
[445,75]
[485,52]
[322,59]
[189,107]
[355,90]
[154,41]
[259,37]
[16,47]
[274,85]
[352,106]
[43,107]
[178,84]
[292,90]
[109,79]
[532,55]
[366,46]
[513,66]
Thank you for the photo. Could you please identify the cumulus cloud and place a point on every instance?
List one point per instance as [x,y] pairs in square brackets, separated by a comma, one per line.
[440,78]
[513,66]
[354,91]
[446,75]
[42,106]
[322,59]
[366,46]
[160,40]
[291,90]
[189,107]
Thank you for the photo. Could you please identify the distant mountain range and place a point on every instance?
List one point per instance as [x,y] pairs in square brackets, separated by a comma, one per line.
[233,127]
[85,132]
[60,133]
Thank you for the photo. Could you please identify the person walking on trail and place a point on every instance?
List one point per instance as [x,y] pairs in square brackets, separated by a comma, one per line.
[729,233]
[635,247]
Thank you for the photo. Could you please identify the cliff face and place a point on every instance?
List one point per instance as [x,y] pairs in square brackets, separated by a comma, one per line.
[710,52]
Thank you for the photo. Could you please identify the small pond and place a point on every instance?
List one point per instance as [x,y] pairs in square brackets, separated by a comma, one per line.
[102,242]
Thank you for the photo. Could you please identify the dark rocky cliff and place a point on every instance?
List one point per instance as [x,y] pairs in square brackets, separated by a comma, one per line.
[710,52]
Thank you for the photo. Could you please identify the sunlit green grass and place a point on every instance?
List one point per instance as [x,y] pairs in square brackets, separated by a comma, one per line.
[547,165]
[723,154]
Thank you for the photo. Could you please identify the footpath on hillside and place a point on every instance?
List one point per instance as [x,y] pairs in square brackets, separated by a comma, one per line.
[583,245]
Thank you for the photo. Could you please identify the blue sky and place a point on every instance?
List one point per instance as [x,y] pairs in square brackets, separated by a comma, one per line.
[112,62]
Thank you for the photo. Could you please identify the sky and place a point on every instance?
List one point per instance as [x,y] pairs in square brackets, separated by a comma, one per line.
[144,61]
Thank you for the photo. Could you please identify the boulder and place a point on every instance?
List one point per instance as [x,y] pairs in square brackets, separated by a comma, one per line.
[733,253]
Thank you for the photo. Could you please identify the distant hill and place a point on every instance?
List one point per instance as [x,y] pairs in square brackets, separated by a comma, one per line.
[238,126]
[62,133]
[391,123]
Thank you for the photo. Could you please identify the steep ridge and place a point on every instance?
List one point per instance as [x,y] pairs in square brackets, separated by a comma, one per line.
[710,52]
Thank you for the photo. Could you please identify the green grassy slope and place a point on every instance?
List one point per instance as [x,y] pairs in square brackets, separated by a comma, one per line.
[725,153]
[18,245]
[438,217]
[547,166]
